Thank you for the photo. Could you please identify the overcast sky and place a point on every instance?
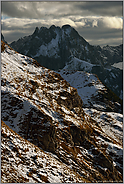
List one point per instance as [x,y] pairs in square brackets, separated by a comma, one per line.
[100,23]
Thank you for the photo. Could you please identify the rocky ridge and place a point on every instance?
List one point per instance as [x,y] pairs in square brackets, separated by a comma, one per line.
[44,109]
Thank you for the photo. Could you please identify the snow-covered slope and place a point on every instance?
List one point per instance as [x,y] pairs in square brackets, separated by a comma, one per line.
[111,122]
[86,84]
[77,64]
[91,90]
[44,109]
[110,76]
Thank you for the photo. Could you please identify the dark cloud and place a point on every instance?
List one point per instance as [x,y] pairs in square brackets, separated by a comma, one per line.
[100,36]
[20,9]
[105,8]
[38,9]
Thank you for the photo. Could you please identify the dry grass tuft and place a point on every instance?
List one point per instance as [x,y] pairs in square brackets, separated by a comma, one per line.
[44,178]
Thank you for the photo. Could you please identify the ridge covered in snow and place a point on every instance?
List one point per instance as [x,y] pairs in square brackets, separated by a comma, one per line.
[49,134]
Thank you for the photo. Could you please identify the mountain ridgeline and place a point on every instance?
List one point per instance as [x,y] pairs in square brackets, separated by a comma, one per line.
[57,47]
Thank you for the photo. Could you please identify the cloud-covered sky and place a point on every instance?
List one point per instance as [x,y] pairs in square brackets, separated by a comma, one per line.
[99,22]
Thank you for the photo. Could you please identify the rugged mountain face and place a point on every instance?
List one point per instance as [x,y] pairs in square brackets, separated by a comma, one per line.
[56,47]
[61,43]
[112,54]
[60,141]
[51,47]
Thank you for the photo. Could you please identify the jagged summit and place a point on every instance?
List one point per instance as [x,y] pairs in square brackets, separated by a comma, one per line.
[55,31]
[36,31]
[53,27]
[66,26]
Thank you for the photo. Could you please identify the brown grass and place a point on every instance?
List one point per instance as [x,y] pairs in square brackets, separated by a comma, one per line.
[15,149]
[27,149]
[44,178]
[68,149]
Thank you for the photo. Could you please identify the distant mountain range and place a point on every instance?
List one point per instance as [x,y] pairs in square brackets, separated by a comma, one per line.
[58,48]
[61,43]
[57,127]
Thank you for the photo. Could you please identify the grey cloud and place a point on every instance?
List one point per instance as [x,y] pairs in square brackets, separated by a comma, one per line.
[107,36]
[101,33]
[104,8]
[20,10]
[13,36]
[59,9]
[29,9]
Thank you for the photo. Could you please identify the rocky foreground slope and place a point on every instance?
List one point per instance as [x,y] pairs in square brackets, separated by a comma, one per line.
[23,162]
[46,134]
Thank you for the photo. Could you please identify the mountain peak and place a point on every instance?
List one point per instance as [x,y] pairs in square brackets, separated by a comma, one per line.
[52,27]
[66,26]
[36,31]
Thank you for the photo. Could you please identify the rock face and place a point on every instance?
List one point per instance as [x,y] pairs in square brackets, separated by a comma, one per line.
[56,139]
[56,47]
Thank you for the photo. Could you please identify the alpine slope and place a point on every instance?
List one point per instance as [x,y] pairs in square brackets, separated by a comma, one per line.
[53,132]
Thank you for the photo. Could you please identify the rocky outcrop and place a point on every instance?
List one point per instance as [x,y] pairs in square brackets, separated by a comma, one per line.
[70,100]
